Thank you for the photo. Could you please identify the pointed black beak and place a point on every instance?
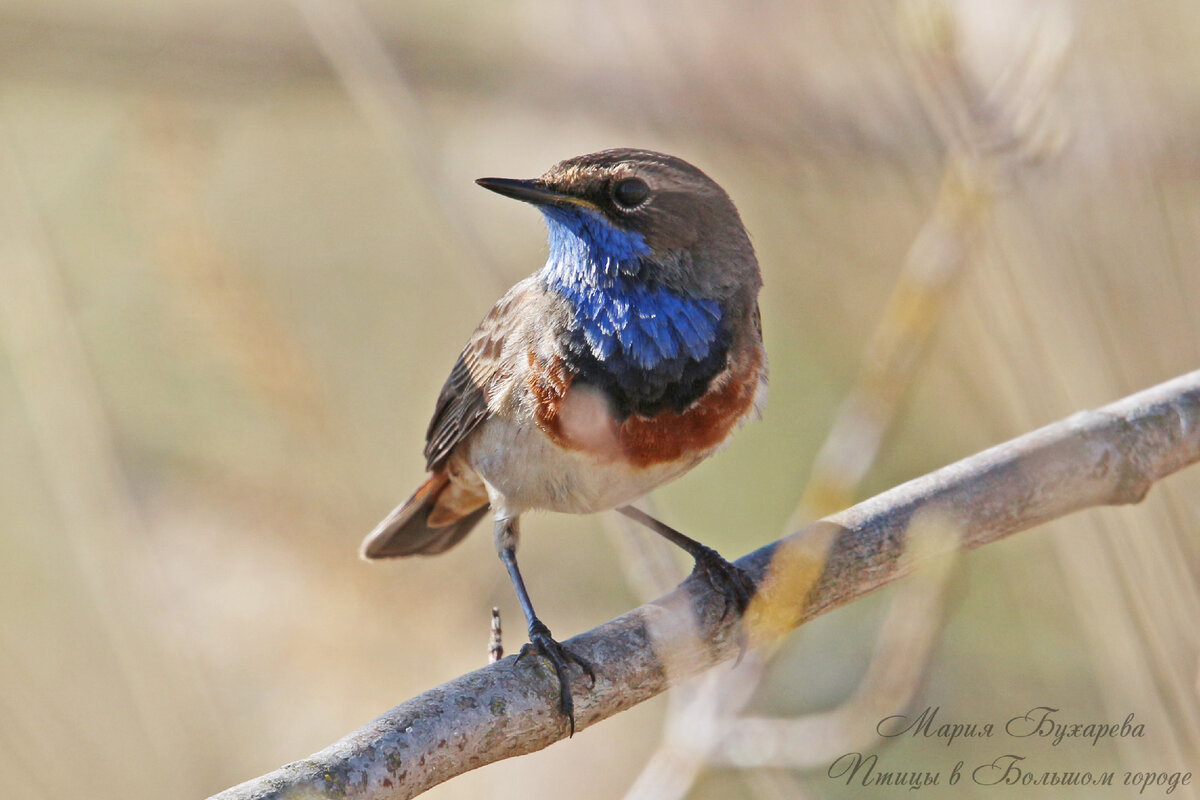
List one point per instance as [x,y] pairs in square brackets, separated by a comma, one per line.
[531,191]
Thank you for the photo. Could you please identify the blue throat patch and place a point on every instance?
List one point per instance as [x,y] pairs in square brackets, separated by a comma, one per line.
[650,348]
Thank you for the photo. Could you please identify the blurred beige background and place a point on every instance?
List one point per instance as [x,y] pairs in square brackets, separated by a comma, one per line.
[240,247]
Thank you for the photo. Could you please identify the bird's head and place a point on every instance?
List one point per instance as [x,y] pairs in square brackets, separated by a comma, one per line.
[645,216]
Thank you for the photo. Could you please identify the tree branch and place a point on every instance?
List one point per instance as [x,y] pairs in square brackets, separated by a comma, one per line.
[1105,457]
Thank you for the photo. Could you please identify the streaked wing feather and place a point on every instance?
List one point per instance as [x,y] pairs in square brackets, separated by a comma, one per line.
[463,402]
[461,406]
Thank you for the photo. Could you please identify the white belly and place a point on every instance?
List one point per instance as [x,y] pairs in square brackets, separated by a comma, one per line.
[524,470]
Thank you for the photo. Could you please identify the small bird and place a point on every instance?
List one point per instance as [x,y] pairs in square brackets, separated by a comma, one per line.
[621,364]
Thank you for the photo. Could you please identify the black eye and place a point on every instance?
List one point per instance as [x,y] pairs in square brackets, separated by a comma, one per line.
[630,193]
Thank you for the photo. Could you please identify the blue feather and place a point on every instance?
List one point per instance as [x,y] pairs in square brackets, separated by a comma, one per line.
[628,324]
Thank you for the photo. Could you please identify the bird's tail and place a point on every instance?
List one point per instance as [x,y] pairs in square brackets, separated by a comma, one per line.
[434,519]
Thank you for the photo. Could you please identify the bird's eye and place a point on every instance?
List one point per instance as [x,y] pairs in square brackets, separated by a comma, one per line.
[630,193]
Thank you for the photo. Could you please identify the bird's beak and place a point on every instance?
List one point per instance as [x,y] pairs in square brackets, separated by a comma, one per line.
[532,191]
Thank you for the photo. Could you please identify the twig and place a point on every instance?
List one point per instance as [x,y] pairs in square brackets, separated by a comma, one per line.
[1105,457]
[496,640]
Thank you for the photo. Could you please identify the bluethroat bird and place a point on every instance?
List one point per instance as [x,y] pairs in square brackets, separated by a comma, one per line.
[620,365]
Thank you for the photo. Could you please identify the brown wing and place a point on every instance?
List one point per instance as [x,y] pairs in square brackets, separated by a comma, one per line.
[463,402]
[461,406]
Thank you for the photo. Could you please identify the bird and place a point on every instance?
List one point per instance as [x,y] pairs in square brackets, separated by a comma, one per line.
[626,360]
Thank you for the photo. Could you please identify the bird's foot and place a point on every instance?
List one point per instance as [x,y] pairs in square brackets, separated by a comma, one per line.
[733,583]
[560,658]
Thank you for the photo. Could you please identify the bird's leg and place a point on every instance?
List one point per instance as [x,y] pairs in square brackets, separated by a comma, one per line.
[730,581]
[540,640]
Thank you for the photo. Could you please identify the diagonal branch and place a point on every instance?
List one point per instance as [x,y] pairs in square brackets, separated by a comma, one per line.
[1104,457]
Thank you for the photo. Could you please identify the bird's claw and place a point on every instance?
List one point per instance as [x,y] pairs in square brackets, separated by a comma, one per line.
[733,583]
[560,658]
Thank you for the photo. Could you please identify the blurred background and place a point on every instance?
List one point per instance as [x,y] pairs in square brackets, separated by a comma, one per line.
[240,248]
